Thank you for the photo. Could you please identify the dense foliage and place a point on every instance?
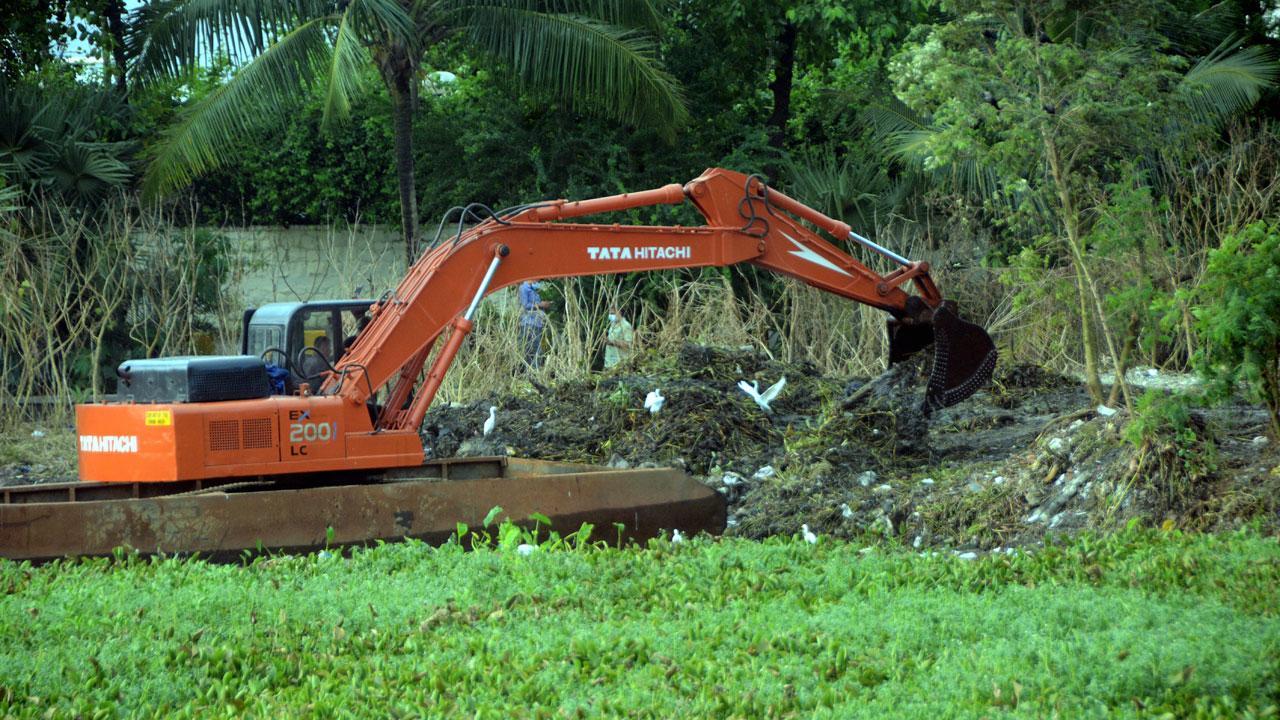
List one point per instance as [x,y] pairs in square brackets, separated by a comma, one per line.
[1239,313]
[1067,166]
[700,629]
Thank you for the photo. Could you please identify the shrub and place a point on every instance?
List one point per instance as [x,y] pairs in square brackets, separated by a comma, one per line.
[1174,452]
[1238,315]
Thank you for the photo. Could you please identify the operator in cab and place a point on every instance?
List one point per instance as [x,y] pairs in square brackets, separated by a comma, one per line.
[312,362]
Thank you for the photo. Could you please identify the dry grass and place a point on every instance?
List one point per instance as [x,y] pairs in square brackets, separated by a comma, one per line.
[73,285]
[839,337]
[154,265]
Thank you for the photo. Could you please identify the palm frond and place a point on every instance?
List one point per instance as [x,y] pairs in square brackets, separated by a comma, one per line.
[175,36]
[343,80]
[595,66]
[840,187]
[1224,83]
[10,197]
[901,132]
[1199,31]
[381,21]
[972,178]
[203,137]
[83,172]
[905,136]
[22,139]
[638,14]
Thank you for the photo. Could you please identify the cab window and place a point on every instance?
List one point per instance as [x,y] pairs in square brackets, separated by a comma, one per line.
[353,321]
[316,330]
[265,337]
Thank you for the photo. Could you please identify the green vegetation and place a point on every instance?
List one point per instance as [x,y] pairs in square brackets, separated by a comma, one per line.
[599,56]
[1065,169]
[1095,182]
[1175,453]
[1239,314]
[59,140]
[39,445]
[1143,624]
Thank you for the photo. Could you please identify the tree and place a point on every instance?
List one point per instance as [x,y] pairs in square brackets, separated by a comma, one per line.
[1238,313]
[594,53]
[27,28]
[1050,97]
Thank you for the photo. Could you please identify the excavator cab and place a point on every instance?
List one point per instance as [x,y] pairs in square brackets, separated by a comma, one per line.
[304,338]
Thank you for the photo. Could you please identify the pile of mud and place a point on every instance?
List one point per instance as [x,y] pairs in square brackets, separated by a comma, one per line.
[856,458]
[705,422]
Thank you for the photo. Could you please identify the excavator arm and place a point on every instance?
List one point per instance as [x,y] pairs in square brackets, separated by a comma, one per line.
[746,221]
[214,418]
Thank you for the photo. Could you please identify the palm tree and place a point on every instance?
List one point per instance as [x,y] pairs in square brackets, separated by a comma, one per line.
[51,142]
[597,54]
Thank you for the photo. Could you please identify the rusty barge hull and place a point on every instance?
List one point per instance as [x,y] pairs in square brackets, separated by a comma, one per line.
[226,519]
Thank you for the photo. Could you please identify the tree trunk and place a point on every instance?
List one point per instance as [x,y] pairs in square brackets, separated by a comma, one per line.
[1122,363]
[400,83]
[402,117]
[781,86]
[115,26]
[1072,223]
[1271,392]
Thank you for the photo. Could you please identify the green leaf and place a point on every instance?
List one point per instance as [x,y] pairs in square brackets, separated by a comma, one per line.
[1224,83]
[493,514]
[594,65]
[203,137]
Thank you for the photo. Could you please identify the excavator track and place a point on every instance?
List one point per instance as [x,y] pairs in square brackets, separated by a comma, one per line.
[223,519]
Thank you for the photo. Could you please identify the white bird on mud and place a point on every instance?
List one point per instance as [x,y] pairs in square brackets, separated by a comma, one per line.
[492,422]
[762,399]
[808,535]
[676,537]
[653,401]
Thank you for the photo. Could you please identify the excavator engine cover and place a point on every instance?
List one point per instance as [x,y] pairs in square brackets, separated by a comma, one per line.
[193,379]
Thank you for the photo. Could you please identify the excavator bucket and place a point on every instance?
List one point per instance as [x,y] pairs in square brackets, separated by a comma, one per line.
[964,355]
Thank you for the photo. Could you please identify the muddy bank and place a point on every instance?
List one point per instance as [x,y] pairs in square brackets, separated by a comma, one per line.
[856,458]
[853,457]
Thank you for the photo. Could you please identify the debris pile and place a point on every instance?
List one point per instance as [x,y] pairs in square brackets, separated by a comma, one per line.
[856,458]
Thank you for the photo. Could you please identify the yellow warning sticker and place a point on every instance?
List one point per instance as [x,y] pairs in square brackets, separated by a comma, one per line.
[159,418]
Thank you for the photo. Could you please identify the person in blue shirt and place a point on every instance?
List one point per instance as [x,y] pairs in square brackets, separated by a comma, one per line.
[533,321]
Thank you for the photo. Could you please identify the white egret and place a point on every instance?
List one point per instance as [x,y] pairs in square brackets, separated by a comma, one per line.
[653,401]
[752,389]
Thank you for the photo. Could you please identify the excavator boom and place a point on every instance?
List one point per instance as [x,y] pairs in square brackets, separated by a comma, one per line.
[747,222]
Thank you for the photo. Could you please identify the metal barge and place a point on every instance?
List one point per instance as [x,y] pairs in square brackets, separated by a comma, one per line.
[222,519]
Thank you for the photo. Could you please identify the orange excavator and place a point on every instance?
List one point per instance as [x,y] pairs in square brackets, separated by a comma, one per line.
[221,456]
[185,419]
